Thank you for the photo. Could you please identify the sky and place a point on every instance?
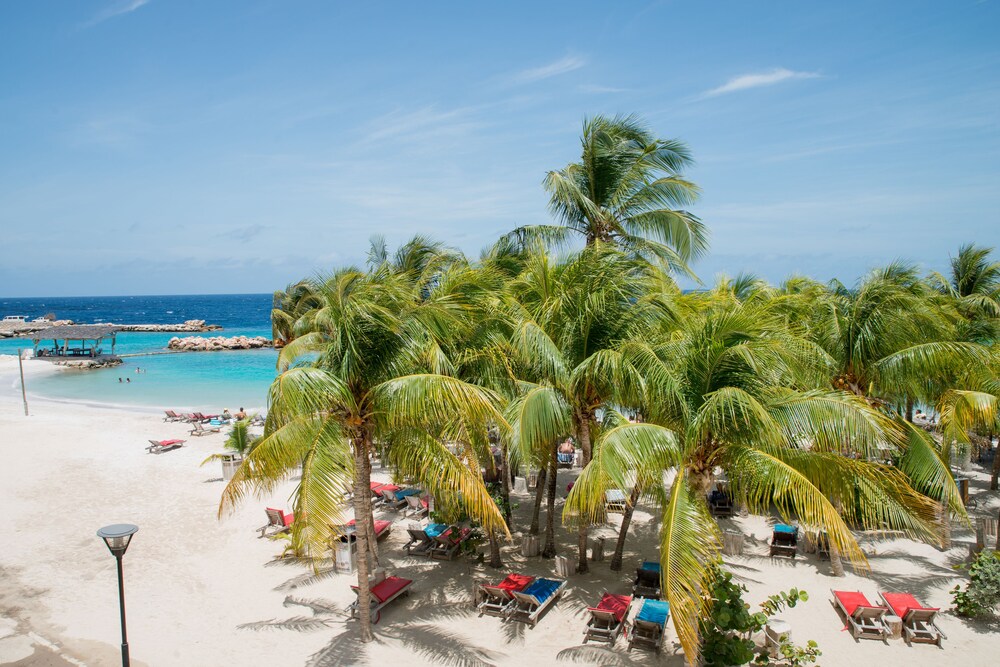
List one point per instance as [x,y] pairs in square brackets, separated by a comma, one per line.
[181,146]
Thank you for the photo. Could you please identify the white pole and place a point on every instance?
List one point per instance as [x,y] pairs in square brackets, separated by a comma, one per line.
[20,367]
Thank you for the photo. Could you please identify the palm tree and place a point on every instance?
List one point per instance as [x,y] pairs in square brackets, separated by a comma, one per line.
[572,317]
[369,387]
[730,391]
[287,306]
[974,284]
[627,190]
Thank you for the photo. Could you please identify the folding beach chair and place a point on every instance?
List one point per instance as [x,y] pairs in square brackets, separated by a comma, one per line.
[647,581]
[383,591]
[416,506]
[614,501]
[720,504]
[172,416]
[277,522]
[160,446]
[497,600]
[864,619]
[649,625]
[537,596]
[420,542]
[607,619]
[784,540]
[918,620]
[448,543]
[382,528]
[199,429]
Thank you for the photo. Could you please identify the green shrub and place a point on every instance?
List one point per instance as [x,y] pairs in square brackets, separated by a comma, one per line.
[982,594]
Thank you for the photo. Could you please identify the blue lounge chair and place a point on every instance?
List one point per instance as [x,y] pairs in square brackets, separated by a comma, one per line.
[784,540]
[535,599]
[649,625]
[647,581]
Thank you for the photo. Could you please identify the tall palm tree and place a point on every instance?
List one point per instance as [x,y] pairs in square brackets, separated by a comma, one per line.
[572,317]
[627,190]
[974,283]
[731,392]
[369,386]
[287,306]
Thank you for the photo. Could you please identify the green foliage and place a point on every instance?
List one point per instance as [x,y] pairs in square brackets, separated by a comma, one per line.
[239,439]
[728,625]
[982,594]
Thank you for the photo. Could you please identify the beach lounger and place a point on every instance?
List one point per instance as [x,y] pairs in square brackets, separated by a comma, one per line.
[918,620]
[420,542]
[377,488]
[864,620]
[607,619]
[382,528]
[784,540]
[160,446]
[277,522]
[565,460]
[416,506]
[497,600]
[614,501]
[383,591]
[395,497]
[720,504]
[647,581]
[537,596]
[448,543]
[649,625]
[199,429]
[172,416]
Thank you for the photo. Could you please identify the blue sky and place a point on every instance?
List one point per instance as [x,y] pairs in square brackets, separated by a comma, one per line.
[169,146]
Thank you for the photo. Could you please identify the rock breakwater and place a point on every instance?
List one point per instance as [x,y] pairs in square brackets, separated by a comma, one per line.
[216,343]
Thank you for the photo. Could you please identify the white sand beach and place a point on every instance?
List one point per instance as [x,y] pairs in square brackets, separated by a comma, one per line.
[196,586]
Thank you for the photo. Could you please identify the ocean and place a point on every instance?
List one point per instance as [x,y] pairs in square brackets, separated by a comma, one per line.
[206,381]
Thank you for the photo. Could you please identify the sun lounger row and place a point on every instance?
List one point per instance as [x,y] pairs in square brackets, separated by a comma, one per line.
[436,540]
[189,417]
[520,597]
[868,621]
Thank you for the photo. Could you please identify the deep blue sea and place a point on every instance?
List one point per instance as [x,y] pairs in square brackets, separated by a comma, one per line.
[208,381]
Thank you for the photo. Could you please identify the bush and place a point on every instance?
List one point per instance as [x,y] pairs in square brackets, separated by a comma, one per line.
[726,630]
[982,594]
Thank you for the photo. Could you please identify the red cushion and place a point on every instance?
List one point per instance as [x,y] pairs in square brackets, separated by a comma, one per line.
[389,587]
[166,443]
[904,602]
[379,525]
[851,600]
[515,582]
[618,604]
[376,485]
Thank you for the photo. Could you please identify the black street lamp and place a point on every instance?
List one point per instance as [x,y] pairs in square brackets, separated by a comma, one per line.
[117,538]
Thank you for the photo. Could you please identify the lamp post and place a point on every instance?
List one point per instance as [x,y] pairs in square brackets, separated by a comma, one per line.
[117,537]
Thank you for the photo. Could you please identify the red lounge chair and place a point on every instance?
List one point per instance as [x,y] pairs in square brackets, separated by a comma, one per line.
[607,619]
[383,591]
[918,620]
[172,416]
[382,528]
[278,521]
[864,619]
[160,446]
[447,544]
[497,600]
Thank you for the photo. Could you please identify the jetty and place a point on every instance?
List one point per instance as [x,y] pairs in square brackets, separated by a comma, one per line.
[23,329]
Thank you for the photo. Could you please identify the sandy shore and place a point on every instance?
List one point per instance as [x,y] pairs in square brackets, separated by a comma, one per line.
[206,592]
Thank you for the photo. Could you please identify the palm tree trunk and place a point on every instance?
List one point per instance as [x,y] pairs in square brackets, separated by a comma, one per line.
[909,410]
[539,490]
[495,560]
[836,562]
[363,520]
[583,431]
[505,485]
[995,478]
[616,560]
[550,514]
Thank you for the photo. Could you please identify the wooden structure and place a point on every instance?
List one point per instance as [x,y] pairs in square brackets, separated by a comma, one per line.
[76,340]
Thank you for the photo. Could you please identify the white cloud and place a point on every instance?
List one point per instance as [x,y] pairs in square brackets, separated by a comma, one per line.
[116,9]
[759,80]
[601,90]
[561,66]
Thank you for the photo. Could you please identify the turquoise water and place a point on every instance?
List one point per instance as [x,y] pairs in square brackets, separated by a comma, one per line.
[205,381]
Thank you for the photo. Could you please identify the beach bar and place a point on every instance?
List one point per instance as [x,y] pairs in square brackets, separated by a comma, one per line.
[77,340]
